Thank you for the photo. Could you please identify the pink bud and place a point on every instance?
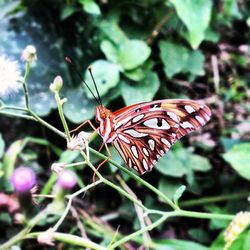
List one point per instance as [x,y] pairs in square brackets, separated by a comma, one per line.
[23,179]
[67,179]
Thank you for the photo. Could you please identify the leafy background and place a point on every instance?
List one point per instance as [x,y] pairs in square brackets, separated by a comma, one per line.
[140,51]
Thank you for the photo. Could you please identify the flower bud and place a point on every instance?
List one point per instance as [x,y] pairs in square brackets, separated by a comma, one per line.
[66,179]
[57,84]
[57,167]
[78,142]
[23,179]
[46,237]
[29,54]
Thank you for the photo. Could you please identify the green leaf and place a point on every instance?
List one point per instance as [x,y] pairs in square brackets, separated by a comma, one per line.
[140,92]
[110,51]
[69,156]
[196,15]
[68,11]
[7,7]
[133,53]
[248,21]
[182,162]
[199,235]
[212,36]
[106,74]
[195,63]
[179,192]
[10,157]
[90,7]
[177,59]
[239,158]
[78,108]
[174,57]
[1,146]
[241,243]
[112,31]
[168,186]
[137,74]
[178,245]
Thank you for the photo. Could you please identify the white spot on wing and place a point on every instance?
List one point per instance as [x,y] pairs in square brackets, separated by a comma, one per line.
[200,119]
[117,146]
[122,122]
[123,138]
[173,116]
[145,151]
[189,109]
[153,123]
[129,163]
[145,165]
[151,144]
[137,118]
[134,151]
[162,152]
[186,125]
[135,168]
[134,133]
[166,142]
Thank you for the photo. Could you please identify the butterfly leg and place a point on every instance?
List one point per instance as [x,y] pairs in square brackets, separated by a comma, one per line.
[104,161]
[81,125]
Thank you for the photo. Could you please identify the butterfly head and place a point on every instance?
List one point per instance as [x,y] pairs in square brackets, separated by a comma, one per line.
[104,116]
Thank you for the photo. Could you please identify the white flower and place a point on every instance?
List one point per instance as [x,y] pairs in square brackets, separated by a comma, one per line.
[29,54]
[10,76]
[78,142]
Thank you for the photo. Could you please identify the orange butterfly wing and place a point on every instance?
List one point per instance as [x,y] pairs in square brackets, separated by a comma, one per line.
[147,130]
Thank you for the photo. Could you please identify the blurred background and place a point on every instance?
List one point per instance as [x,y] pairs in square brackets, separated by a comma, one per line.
[139,51]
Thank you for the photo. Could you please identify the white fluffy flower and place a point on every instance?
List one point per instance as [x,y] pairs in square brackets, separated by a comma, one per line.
[10,76]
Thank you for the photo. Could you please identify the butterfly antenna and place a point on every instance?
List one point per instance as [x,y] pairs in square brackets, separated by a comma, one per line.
[90,72]
[70,62]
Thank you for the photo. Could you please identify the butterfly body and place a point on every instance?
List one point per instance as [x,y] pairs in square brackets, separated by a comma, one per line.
[142,133]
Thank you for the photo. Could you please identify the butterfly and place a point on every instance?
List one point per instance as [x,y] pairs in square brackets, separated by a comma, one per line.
[142,133]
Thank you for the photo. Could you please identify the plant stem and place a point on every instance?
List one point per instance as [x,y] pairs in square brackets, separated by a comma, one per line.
[28,117]
[46,124]
[22,234]
[70,239]
[212,199]
[71,197]
[137,178]
[109,183]
[25,88]
[141,231]
[62,117]
[202,215]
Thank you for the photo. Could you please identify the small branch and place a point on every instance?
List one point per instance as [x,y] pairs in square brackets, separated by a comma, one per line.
[61,114]
[141,231]
[11,114]
[137,178]
[70,239]
[109,183]
[157,28]
[216,75]
[25,88]
[139,211]
[222,198]
[71,197]
[46,124]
